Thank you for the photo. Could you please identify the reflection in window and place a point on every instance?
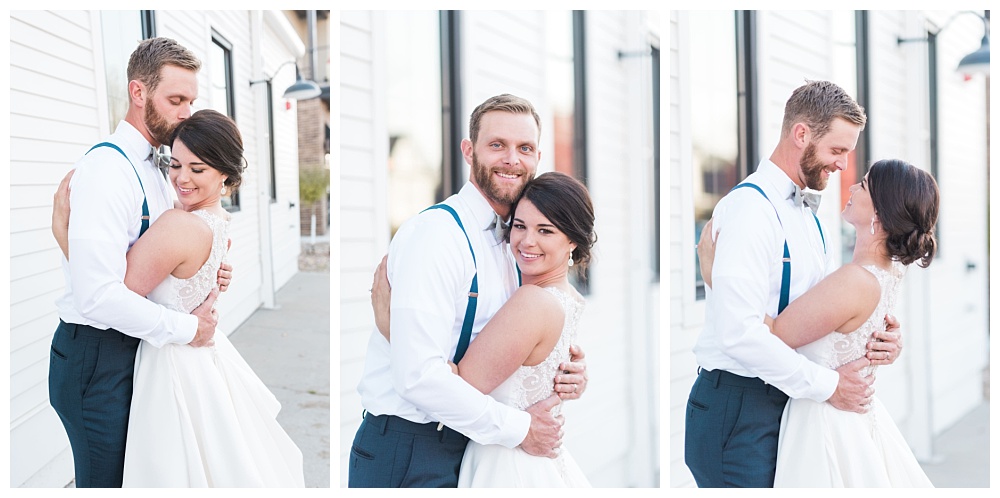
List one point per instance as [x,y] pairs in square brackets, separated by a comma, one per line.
[413,105]
[121,31]
[845,74]
[560,91]
[715,131]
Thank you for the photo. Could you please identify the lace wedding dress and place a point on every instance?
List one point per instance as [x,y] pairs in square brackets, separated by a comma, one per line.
[200,417]
[495,466]
[820,446]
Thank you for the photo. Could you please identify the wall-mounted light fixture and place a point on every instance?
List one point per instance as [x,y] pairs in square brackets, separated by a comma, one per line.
[977,62]
[302,89]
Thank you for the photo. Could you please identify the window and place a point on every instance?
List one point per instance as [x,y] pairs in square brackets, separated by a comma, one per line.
[722,100]
[850,71]
[656,162]
[413,112]
[121,30]
[221,94]
[269,106]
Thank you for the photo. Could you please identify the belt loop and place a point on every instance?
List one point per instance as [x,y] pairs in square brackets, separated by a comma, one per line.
[71,328]
[716,378]
[379,421]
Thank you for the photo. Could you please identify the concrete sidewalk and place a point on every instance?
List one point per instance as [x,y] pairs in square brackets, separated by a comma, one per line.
[289,348]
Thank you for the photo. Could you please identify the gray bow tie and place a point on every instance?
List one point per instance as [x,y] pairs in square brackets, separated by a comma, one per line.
[498,227]
[810,199]
[160,159]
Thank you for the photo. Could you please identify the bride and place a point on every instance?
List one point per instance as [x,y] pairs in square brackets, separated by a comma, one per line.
[894,210]
[516,359]
[200,417]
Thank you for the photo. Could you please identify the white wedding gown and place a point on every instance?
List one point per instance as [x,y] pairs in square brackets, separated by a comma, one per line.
[820,446]
[495,466]
[200,417]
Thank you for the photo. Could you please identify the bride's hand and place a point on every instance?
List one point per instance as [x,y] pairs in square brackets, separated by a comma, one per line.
[571,383]
[885,346]
[381,294]
[706,253]
[60,214]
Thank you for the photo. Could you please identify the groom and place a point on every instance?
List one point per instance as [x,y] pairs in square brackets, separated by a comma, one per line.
[420,416]
[117,192]
[746,374]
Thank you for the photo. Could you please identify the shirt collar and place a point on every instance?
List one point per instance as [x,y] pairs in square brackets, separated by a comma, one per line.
[132,142]
[479,207]
[777,178]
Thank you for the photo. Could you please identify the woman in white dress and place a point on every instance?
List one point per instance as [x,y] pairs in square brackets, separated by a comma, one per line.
[199,417]
[894,210]
[516,356]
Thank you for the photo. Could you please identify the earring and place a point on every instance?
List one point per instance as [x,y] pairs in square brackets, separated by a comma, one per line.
[873,226]
[571,259]
[223,189]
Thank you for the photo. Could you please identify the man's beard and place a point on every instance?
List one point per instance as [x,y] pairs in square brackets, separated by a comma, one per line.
[488,183]
[159,128]
[812,170]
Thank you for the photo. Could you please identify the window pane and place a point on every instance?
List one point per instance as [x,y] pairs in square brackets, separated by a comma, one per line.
[560,86]
[121,31]
[714,112]
[845,74]
[218,78]
[413,103]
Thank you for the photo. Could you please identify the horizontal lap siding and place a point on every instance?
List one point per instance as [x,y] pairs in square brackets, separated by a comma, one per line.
[54,118]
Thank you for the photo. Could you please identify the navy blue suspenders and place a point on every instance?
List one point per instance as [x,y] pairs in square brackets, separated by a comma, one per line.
[470,309]
[786,260]
[145,205]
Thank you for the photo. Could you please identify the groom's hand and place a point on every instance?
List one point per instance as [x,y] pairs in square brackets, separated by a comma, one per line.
[573,380]
[854,392]
[545,434]
[208,318]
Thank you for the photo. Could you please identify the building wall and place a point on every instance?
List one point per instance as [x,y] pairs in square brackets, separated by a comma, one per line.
[619,328]
[58,110]
[928,388]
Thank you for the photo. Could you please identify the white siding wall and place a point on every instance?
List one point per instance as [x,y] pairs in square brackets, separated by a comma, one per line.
[58,109]
[364,235]
[619,329]
[927,390]
[54,117]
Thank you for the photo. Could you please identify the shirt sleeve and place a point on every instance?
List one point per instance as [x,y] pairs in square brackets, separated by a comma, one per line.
[426,268]
[745,252]
[102,211]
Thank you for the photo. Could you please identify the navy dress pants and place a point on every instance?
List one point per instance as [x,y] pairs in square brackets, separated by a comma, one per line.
[731,430]
[90,387]
[392,452]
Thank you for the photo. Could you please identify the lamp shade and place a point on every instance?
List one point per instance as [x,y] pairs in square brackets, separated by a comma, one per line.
[977,62]
[304,90]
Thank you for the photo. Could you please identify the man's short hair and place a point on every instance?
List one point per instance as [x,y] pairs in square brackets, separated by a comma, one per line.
[816,104]
[505,102]
[151,55]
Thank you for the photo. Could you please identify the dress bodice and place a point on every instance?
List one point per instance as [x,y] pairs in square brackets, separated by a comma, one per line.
[837,349]
[531,384]
[185,294]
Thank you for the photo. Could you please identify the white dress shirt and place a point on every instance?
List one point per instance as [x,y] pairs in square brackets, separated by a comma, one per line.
[430,269]
[106,211]
[746,282]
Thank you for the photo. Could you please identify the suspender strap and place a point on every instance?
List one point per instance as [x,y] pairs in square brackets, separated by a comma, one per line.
[786,261]
[820,232]
[145,205]
[470,309]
